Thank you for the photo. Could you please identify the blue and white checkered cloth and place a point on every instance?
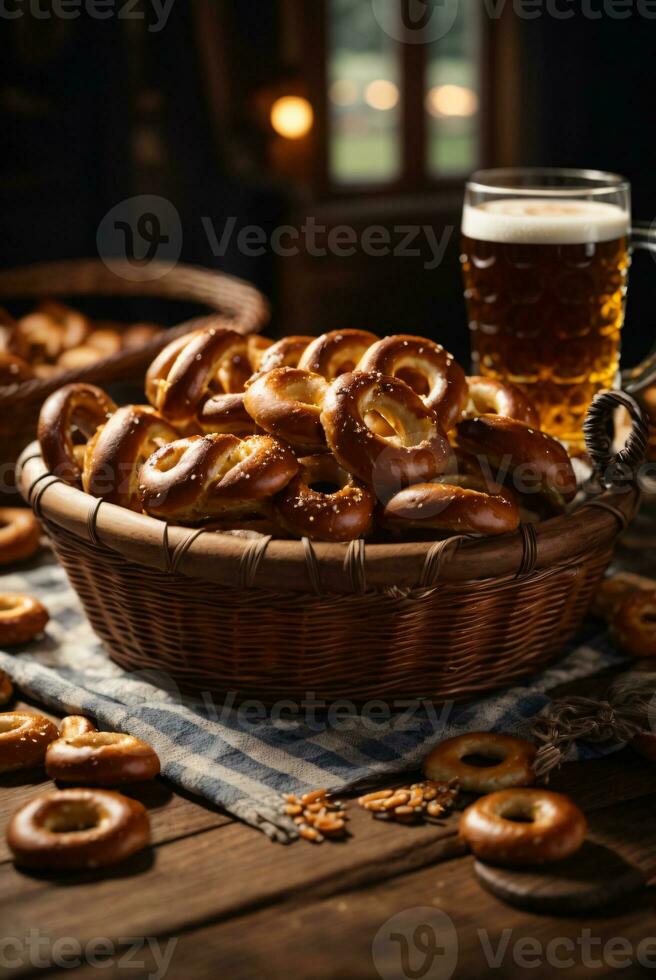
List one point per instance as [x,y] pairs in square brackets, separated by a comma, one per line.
[242,757]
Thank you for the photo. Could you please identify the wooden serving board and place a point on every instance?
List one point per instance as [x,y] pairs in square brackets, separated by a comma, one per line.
[591,879]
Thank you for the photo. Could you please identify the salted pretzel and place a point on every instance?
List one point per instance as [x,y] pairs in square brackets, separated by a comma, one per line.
[486,396]
[464,506]
[101,759]
[160,366]
[324,502]
[287,402]
[14,370]
[116,452]
[20,534]
[74,829]
[81,405]
[227,414]
[73,725]
[24,738]
[417,451]
[211,362]
[204,477]
[523,826]
[51,329]
[531,460]
[427,367]
[336,352]
[284,353]
[22,617]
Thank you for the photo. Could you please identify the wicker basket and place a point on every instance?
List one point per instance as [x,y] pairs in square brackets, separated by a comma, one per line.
[20,404]
[278,619]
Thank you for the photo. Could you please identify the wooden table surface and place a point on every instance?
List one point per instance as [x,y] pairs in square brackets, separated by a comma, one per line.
[214,898]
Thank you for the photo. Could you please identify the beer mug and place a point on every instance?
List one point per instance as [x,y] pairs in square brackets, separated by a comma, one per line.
[545,257]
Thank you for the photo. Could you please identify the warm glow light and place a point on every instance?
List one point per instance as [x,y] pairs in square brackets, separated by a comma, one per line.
[343,92]
[452,100]
[381,94]
[292,117]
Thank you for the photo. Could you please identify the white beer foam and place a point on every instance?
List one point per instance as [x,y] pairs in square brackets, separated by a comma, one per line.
[542,222]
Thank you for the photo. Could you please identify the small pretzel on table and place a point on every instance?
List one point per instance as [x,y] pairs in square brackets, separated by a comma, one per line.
[336,352]
[115,454]
[532,458]
[101,759]
[206,477]
[20,534]
[22,617]
[417,451]
[287,402]
[81,405]
[427,367]
[324,502]
[73,725]
[490,397]
[24,737]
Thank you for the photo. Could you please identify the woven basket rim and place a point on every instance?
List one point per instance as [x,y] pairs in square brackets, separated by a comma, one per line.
[284,565]
[91,277]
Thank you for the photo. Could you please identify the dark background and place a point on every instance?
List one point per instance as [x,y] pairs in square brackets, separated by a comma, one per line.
[92,112]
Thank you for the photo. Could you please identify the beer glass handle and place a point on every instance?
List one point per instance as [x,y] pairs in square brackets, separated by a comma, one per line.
[643,236]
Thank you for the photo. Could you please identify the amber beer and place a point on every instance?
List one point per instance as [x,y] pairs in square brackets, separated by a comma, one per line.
[545,284]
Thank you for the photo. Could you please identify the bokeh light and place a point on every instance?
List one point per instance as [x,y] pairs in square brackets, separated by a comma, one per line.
[343,92]
[381,94]
[292,116]
[452,100]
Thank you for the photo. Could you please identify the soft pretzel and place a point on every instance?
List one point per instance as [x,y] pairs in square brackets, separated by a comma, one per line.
[204,477]
[513,757]
[138,335]
[20,534]
[427,367]
[336,352]
[633,624]
[158,371]
[490,397]
[443,506]
[324,502]
[105,340]
[536,463]
[101,759]
[14,370]
[24,738]
[50,330]
[284,353]
[417,451]
[115,454]
[287,402]
[225,413]
[74,829]
[73,725]
[22,617]
[80,405]
[211,357]
[523,826]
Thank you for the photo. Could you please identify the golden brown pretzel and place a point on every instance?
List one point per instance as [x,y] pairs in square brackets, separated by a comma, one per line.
[336,352]
[225,413]
[14,370]
[73,725]
[115,454]
[78,357]
[284,353]
[463,508]
[80,405]
[523,826]
[106,340]
[287,402]
[158,371]
[22,617]
[324,502]
[514,757]
[212,357]
[204,477]
[101,759]
[417,451]
[69,829]
[138,335]
[532,460]
[427,367]
[24,737]
[633,624]
[20,534]
[490,397]
[50,330]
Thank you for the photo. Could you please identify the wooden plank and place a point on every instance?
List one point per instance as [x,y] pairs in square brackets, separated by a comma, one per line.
[307,936]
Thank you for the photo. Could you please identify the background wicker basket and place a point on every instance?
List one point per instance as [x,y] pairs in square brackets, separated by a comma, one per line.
[20,404]
[278,619]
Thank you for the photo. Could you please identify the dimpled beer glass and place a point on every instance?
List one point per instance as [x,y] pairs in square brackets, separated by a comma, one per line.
[545,257]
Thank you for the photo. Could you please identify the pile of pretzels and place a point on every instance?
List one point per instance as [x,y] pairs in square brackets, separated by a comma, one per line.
[332,438]
[54,338]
